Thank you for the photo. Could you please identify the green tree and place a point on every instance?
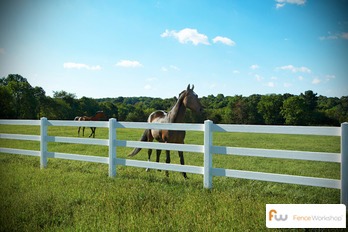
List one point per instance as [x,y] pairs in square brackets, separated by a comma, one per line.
[6,103]
[269,107]
[294,110]
[312,117]
[88,106]
[109,109]
[67,105]
[40,96]
[254,117]
[136,115]
[24,101]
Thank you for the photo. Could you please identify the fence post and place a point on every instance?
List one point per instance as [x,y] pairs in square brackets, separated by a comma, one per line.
[43,143]
[344,164]
[112,147]
[208,156]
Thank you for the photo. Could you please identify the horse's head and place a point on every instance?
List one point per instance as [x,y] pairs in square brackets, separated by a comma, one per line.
[191,100]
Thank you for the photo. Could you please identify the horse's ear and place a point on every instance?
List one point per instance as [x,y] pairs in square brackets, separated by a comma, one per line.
[188,88]
[193,86]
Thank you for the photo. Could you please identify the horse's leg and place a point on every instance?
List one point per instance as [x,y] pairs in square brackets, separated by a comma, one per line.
[149,156]
[167,161]
[78,132]
[158,154]
[182,162]
[149,152]
[83,130]
[93,132]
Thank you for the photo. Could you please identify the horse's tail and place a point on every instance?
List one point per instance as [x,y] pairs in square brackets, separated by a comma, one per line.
[143,138]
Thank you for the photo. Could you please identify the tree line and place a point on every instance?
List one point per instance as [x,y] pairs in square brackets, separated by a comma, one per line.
[19,100]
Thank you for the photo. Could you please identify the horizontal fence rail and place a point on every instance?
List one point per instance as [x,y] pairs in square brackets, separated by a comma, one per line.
[295,130]
[280,178]
[208,149]
[280,154]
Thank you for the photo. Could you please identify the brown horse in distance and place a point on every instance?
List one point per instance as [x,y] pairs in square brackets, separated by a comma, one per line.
[96,117]
[187,99]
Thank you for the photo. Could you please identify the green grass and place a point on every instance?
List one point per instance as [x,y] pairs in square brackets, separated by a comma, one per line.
[72,195]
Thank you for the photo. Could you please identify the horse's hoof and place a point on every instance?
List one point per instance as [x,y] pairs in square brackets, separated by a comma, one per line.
[159,170]
[148,169]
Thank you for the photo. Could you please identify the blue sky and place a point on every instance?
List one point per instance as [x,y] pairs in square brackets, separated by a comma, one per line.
[156,48]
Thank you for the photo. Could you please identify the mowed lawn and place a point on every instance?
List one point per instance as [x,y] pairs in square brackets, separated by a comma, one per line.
[73,195]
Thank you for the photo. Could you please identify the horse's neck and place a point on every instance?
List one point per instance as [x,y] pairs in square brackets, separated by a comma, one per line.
[96,117]
[177,113]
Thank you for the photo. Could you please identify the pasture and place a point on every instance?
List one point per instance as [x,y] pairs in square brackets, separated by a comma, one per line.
[73,195]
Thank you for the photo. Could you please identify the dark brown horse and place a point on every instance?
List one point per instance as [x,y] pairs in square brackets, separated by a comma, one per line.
[96,117]
[187,99]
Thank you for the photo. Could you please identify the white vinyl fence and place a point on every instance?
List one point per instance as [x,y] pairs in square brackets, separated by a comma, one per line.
[207,149]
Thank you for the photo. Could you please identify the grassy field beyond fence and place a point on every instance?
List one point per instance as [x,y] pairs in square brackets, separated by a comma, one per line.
[73,195]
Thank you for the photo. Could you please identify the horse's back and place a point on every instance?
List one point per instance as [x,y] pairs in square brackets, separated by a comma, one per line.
[170,136]
[158,116]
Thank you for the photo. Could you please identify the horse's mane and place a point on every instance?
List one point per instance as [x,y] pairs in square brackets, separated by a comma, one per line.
[97,113]
[177,99]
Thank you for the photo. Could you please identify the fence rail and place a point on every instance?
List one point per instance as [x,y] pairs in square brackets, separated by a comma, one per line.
[208,149]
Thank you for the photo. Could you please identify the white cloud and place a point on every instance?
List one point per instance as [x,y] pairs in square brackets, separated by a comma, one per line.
[254,66]
[287,84]
[298,2]
[302,69]
[329,77]
[274,78]
[316,81]
[328,37]
[300,78]
[164,69]
[147,86]
[174,67]
[294,69]
[212,85]
[224,40]
[75,65]
[166,33]
[282,3]
[258,77]
[80,66]
[236,71]
[270,84]
[344,35]
[2,51]
[187,35]
[129,64]
[97,67]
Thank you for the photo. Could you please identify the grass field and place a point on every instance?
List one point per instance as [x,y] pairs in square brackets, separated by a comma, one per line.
[73,195]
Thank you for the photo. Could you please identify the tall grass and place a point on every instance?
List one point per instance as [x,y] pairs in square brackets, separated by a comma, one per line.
[72,195]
